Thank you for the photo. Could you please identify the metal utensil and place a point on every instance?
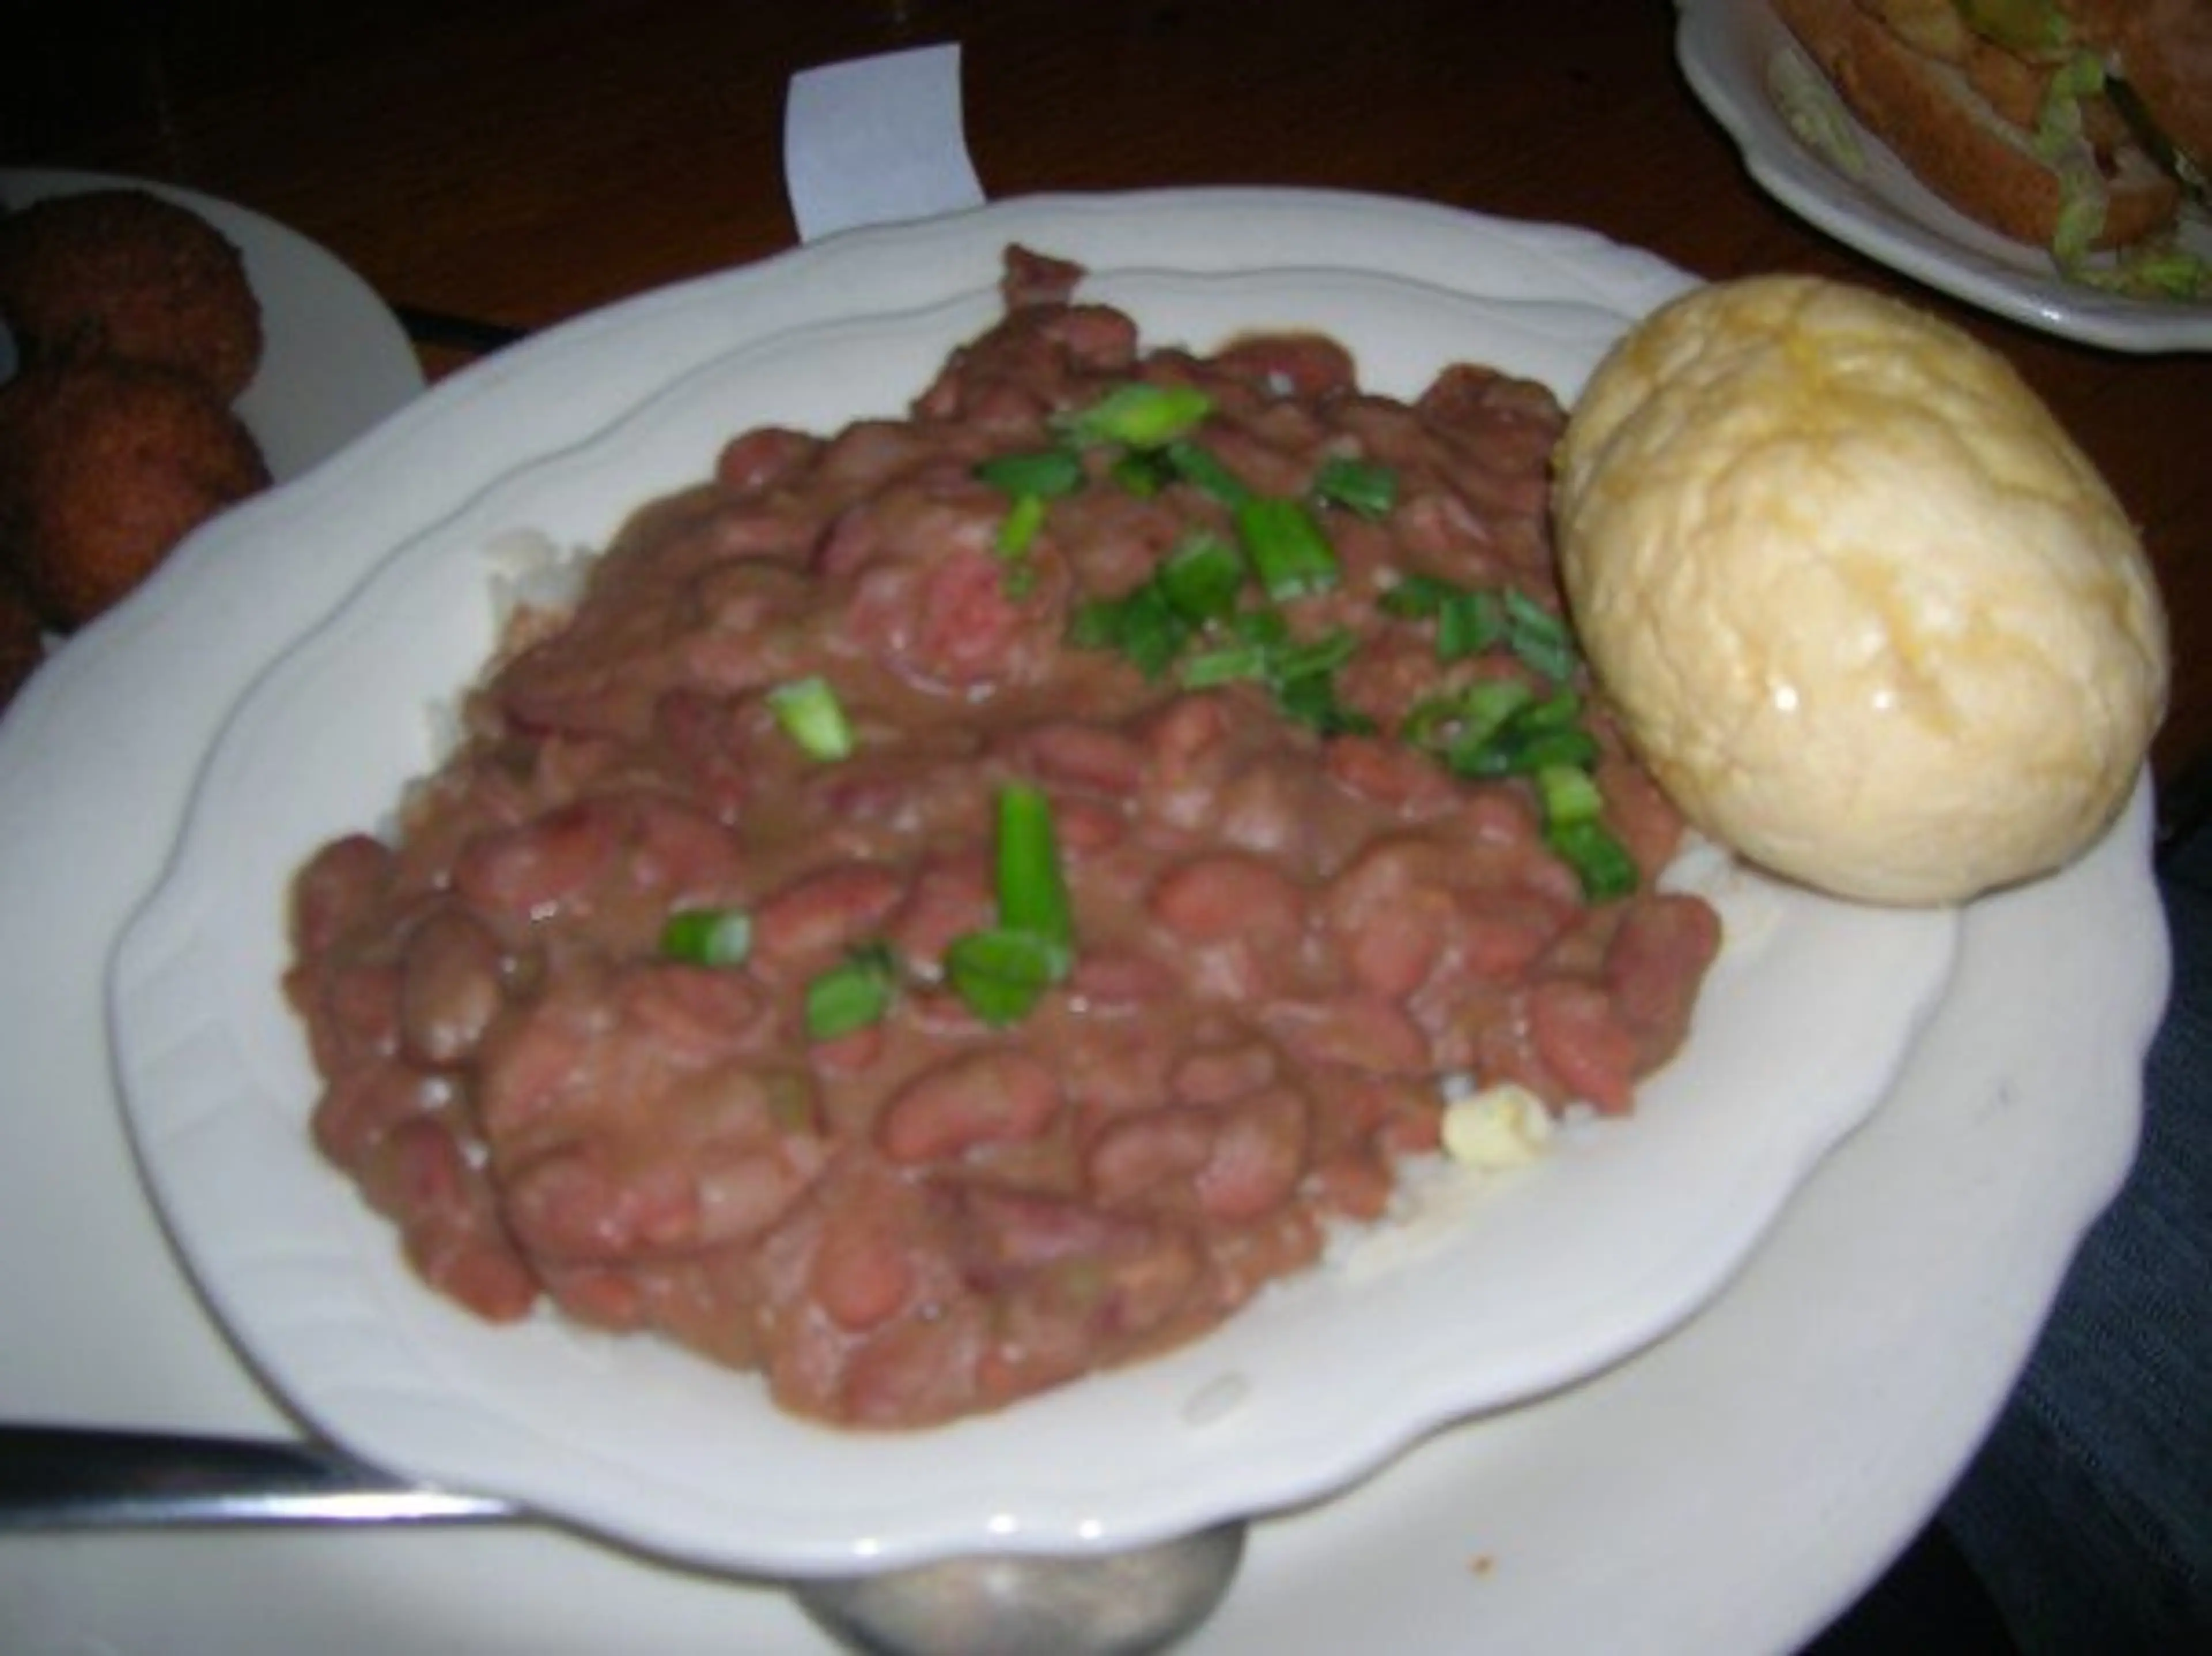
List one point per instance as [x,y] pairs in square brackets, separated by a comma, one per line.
[1002,1604]
[1005,1604]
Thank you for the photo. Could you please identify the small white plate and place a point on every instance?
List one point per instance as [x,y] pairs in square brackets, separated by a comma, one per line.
[335,360]
[1727,49]
[1495,1292]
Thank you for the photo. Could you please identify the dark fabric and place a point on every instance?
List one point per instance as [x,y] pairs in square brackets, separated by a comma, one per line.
[2087,1514]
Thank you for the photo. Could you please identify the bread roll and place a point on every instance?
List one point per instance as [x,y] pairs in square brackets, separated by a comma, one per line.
[1870,615]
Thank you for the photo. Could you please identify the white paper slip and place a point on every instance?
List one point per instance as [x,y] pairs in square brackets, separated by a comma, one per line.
[876,141]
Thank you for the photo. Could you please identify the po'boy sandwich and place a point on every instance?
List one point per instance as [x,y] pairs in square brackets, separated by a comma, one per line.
[2078,125]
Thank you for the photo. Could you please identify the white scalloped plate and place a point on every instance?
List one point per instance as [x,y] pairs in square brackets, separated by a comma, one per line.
[1493,1294]
[1725,48]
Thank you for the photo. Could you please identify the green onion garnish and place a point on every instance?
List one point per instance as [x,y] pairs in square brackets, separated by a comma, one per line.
[708,937]
[1572,805]
[853,994]
[1140,416]
[1301,677]
[1500,728]
[1305,690]
[1000,975]
[1601,861]
[1568,793]
[1198,467]
[1142,472]
[1000,972]
[1416,597]
[1470,718]
[1533,735]
[812,715]
[1361,486]
[1288,549]
[1469,623]
[1047,473]
[1200,579]
[1020,525]
[1032,894]
[1247,647]
[1239,657]
[1141,626]
[1539,637]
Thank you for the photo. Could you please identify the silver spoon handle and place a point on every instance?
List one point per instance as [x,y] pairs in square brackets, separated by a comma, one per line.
[71,1478]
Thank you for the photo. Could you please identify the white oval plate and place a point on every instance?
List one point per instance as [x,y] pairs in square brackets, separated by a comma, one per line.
[335,360]
[1726,48]
[1493,1293]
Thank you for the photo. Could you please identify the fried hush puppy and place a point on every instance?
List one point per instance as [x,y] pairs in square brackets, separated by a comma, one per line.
[103,465]
[124,273]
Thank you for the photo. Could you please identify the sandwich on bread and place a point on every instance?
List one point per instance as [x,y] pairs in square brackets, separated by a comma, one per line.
[2083,127]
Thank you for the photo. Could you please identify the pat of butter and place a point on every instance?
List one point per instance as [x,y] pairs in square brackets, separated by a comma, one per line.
[1496,1129]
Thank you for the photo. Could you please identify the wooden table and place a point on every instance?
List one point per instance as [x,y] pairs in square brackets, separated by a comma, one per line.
[520,164]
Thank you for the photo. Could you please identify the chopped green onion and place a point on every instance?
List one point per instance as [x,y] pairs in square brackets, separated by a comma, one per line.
[1322,655]
[708,937]
[1047,473]
[851,995]
[812,715]
[1568,793]
[1142,472]
[1288,549]
[1417,597]
[1539,637]
[1471,717]
[1540,750]
[1469,623]
[1242,658]
[1249,644]
[1140,416]
[1198,467]
[1302,678]
[1500,728]
[1200,579]
[1020,527]
[1032,893]
[1000,974]
[1311,699]
[1599,861]
[1141,626]
[1535,735]
[1361,486]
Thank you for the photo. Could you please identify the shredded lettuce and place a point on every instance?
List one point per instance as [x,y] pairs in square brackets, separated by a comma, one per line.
[1815,112]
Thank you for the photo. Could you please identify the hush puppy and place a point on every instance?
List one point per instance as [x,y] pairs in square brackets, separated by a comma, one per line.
[103,465]
[125,273]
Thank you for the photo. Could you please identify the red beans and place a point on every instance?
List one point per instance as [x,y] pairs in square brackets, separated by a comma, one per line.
[978,1099]
[1281,939]
[1208,899]
[532,869]
[450,988]
[811,920]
